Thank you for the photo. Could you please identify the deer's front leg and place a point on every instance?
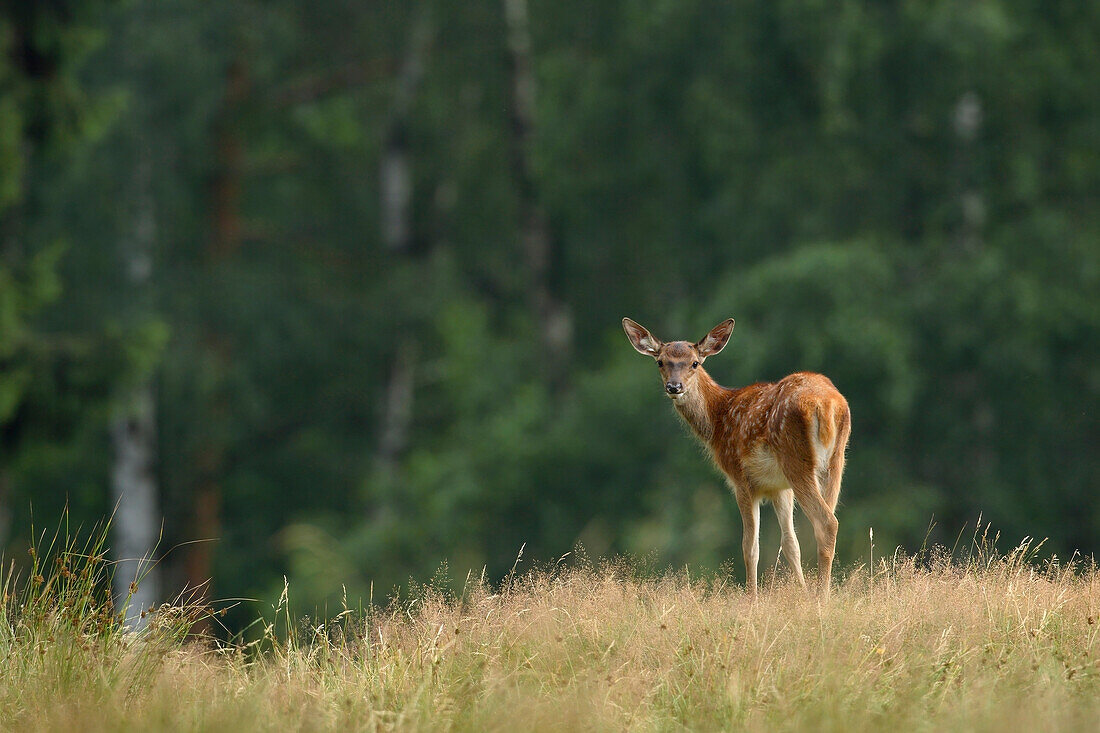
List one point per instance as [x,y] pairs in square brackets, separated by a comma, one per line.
[750,538]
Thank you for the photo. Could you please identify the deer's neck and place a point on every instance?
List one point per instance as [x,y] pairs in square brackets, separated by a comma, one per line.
[697,406]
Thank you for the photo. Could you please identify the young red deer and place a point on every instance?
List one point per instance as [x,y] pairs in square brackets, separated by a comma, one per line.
[782,441]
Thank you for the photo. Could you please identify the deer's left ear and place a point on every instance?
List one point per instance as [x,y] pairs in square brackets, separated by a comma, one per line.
[716,340]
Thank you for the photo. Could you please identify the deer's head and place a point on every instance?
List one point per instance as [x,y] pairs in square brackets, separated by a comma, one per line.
[678,361]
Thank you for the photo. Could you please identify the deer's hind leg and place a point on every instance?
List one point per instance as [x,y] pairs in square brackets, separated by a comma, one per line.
[802,475]
[783,503]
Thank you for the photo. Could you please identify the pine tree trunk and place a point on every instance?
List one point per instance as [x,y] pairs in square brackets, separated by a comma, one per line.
[224,241]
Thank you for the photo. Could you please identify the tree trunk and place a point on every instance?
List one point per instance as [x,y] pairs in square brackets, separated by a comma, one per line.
[136,522]
[395,186]
[395,171]
[137,519]
[967,123]
[224,241]
[397,418]
[554,320]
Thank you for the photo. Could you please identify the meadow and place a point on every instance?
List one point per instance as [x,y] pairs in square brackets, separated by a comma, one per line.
[986,641]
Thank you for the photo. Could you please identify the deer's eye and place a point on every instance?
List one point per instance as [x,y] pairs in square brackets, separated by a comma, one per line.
[660,363]
[694,364]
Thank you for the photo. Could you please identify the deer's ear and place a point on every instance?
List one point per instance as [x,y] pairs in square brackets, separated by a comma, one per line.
[642,340]
[716,340]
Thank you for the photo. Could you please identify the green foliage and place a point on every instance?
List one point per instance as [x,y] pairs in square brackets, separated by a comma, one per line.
[903,197]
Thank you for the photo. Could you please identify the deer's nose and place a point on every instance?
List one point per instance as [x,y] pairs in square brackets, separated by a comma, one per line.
[674,387]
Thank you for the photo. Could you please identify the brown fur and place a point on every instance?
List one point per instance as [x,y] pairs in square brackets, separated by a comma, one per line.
[777,441]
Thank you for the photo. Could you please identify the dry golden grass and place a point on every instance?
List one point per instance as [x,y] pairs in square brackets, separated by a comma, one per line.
[992,643]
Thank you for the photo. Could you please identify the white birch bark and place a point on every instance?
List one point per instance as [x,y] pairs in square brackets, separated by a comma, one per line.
[136,524]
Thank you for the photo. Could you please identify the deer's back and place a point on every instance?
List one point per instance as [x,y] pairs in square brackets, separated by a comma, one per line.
[763,427]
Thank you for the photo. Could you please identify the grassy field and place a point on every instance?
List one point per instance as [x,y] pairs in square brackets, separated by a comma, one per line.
[986,643]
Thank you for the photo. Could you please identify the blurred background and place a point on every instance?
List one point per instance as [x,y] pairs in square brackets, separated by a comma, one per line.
[337,286]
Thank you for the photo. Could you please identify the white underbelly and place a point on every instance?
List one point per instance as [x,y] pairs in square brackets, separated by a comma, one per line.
[762,469]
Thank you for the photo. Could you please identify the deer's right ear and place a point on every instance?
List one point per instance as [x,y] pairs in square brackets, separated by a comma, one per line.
[642,340]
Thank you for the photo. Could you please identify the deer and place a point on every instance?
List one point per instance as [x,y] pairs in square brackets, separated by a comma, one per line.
[775,441]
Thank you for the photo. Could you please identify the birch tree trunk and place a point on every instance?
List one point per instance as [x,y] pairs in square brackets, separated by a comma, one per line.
[136,522]
[395,171]
[395,188]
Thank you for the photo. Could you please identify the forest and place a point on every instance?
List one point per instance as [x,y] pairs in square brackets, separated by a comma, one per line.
[329,293]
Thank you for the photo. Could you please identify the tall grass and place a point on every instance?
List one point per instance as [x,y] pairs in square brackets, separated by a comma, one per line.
[988,642]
